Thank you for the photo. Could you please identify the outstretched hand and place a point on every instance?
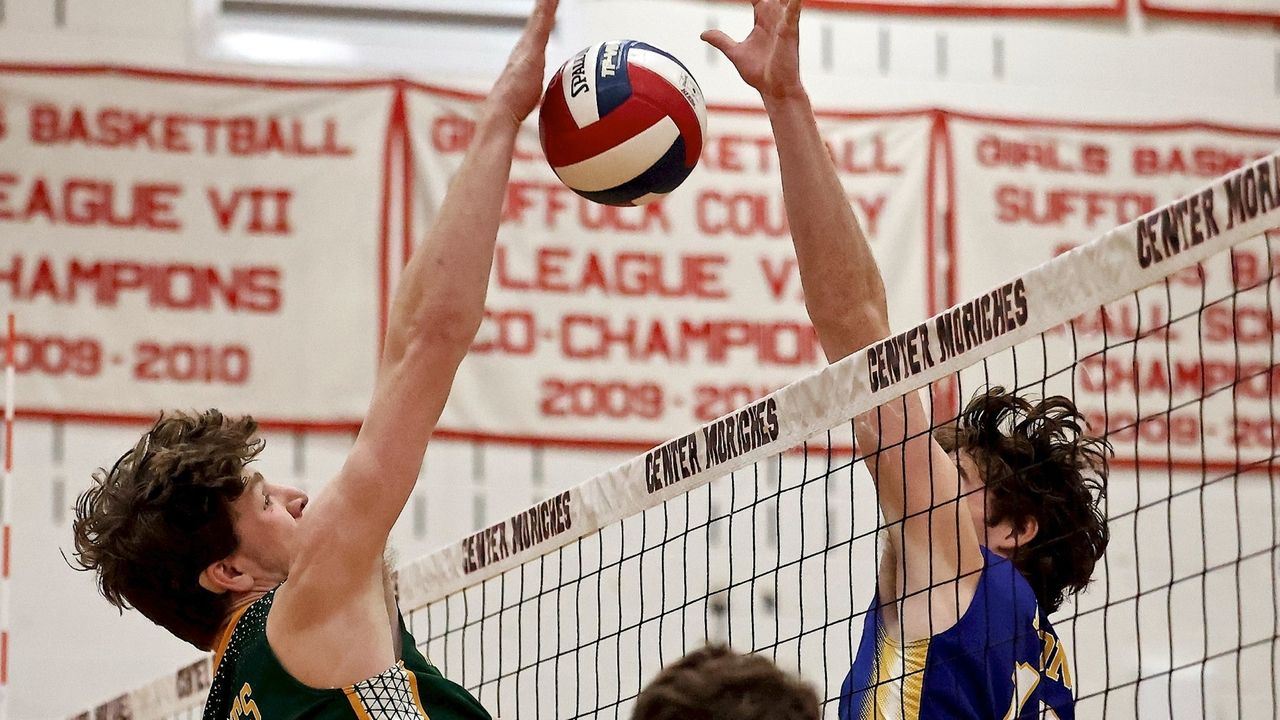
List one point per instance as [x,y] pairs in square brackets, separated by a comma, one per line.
[769,58]
[519,87]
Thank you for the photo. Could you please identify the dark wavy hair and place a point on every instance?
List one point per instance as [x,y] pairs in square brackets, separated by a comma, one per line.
[1038,462]
[716,683]
[152,523]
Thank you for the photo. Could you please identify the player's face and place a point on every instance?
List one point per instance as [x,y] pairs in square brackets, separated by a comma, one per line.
[1000,538]
[266,523]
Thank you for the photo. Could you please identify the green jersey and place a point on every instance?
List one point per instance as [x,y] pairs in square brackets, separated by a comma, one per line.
[250,684]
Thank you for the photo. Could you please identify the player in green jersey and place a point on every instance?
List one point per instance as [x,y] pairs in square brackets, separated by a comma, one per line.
[183,529]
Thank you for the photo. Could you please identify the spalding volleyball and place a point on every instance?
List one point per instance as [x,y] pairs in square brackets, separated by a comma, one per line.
[622,123]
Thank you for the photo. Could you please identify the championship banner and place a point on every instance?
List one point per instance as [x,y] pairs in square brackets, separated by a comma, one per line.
[1024,192]
[1215,10]
[192,241]
[984,8]
[614,327]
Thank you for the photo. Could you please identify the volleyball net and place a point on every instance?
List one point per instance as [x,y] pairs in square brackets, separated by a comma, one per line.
[761,529]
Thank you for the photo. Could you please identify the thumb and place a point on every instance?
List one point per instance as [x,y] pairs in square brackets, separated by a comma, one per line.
[719,41]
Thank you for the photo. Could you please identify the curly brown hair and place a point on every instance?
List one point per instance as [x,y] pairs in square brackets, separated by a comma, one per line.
[152,523]
[1038,462]
[716,683]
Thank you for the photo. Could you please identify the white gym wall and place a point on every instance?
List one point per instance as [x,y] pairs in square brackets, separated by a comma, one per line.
[70,649]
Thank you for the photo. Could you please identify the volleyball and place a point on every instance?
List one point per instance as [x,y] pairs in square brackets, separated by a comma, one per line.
[622,123]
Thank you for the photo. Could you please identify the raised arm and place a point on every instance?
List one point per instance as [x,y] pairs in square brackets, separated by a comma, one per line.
[437,309]
[931,540]
[843,291]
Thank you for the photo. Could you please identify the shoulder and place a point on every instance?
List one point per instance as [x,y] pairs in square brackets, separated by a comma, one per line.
[1003,610]
[1002,586]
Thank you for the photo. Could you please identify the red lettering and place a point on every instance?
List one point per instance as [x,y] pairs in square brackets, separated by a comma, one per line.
[1094,159]
[525,197]
[1057,206]
[267,209]
[12,276]
[1218,326]
[748,214]
[7,180]
[43,122]
[114,127]
[563,270]
[777,277]
[861,159]
[1183,378]
[1197,161]
[871,208]
[174,134]
[739,153]
[451,134]
[1043,154]
[741,214]
[1249,268]
[509,332]
[727,158]
[55,355]
[89,202]
[173,286]
[44,282]
[262,292]
[1127,321]
[187,362]
[39,204]
[224,210]
[783,343]
[1248,325]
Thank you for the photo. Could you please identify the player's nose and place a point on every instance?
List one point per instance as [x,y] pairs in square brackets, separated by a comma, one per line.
[296,502]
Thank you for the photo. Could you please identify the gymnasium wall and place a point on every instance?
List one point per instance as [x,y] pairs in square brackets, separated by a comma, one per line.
[70,649]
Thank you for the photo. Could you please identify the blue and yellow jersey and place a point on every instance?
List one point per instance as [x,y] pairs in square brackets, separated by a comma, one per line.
[249,683]
[1001,661]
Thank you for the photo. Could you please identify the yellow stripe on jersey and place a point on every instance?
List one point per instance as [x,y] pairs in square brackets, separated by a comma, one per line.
[220,648]
[357,705]
[899,680]
[414,691]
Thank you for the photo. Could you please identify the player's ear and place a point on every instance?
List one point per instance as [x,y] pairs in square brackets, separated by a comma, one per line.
[223,576]
[1023,537]
[1005,538]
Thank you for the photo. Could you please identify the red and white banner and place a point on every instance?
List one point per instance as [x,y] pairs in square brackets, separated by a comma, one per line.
[1024,192]
[193,241]
[622,327]
[985,8]
[1215,10]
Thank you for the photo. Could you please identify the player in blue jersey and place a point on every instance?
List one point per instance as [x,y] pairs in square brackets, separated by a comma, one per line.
[990,522]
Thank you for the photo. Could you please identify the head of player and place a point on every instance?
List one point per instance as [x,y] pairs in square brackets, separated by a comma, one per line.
[716,683]
[1033,482]
[179,527]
